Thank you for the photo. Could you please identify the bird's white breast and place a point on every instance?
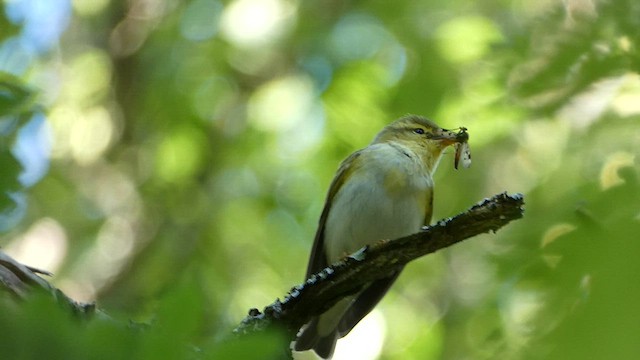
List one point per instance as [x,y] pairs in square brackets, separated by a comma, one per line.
[386,197]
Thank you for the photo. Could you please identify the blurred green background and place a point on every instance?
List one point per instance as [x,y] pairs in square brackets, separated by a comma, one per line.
[169,159]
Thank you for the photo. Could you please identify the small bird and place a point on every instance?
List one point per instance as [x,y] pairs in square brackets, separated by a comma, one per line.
[384,191]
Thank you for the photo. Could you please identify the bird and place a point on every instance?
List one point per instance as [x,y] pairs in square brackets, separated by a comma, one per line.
[383,191]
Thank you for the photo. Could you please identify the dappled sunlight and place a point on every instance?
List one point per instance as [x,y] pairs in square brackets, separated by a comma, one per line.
[116,240]
[354,104]
[281,104]
[90,135]
[553,233]
[113,197]
[89,7]
[542,145]
[541,151]
[300,143]
[627,101]
[289,108]
[476,32]
[252,23]
[519,314]
[87,78]
[112,192]
[83,130]
[586,108]
[43,246]
[180,155]
[471,272]
[245,294]
[408,339]
[479,107]
[365,341]
[130,34]
[556,231]
[609,175]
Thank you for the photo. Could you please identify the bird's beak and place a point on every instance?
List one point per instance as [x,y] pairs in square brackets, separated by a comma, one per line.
[450,137]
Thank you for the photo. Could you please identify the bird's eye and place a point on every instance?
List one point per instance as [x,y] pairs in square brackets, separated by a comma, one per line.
[418,131]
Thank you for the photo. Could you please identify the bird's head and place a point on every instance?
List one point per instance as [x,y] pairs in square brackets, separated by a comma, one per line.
[422,136]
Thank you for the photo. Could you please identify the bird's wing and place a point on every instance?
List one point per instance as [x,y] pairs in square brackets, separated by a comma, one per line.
[428,210]
[318,258]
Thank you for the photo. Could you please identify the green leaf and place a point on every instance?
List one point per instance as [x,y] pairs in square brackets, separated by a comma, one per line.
[15,97]
[7,28]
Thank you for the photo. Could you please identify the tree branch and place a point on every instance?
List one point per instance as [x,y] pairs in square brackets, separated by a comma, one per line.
[378,261]
[20,280]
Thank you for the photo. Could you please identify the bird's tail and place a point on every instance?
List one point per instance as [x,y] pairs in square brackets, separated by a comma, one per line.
[308,339]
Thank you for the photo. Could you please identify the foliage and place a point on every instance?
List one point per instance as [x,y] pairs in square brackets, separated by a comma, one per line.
[192,143]
[16,108]
[39,328]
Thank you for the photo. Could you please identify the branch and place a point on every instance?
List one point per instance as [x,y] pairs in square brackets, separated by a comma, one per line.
[20,280]
[378,261]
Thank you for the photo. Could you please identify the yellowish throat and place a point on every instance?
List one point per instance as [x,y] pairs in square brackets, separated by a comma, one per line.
[384,191]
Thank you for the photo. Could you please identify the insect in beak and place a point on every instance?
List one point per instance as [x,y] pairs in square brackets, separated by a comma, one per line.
[462,149]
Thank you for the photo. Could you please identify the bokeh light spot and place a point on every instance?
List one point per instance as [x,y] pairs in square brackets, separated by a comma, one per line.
[88,78]
[179,155]
[627,102]
[43,245]
[91,135]
[520,312]
[249,23]
[282,103]
[467,38]
[89,7]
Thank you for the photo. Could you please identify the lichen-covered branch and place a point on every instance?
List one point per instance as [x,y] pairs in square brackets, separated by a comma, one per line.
[20,280]
[378,261]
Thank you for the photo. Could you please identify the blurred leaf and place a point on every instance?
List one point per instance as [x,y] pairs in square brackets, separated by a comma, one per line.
[16,107]
[575,49]
[11,168]
[15,97]
[38,328]
[254,347]
[7,28]
[596,296]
